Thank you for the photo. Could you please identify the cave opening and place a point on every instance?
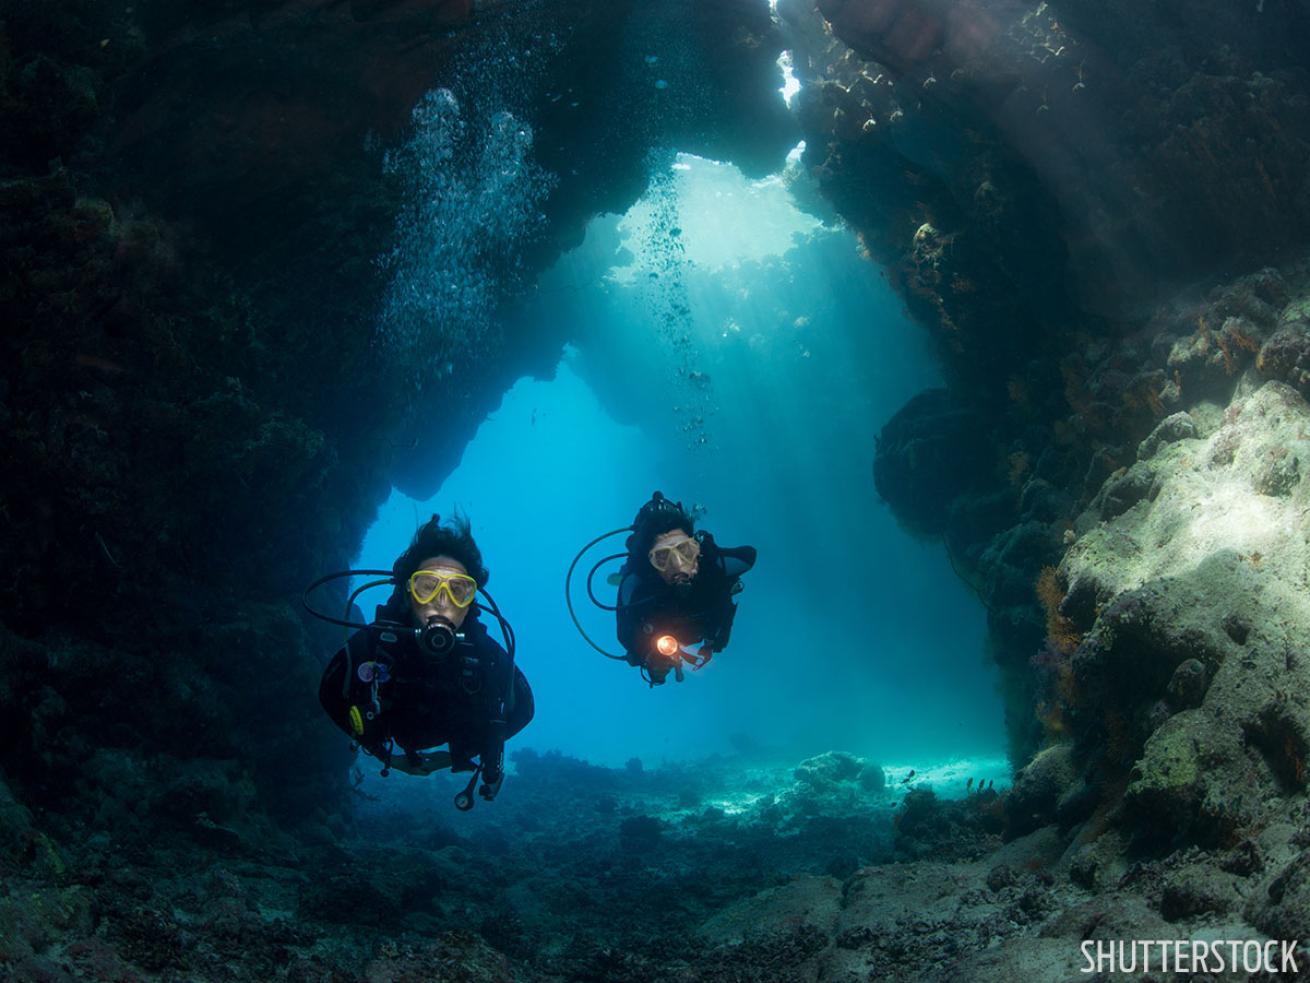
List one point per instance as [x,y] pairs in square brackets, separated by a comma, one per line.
[731,344]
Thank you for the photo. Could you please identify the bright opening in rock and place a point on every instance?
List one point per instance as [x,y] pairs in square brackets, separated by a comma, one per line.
[717,358]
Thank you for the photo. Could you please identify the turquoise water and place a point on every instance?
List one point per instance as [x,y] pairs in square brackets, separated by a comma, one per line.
[739,355]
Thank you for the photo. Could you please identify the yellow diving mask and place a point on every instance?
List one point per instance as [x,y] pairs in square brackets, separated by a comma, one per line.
[687,551]
[425,585]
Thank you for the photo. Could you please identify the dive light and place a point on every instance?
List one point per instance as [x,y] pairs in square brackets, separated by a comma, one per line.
[667,646]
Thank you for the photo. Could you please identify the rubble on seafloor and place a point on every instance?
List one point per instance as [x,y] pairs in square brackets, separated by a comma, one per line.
[576,872]
[830,869]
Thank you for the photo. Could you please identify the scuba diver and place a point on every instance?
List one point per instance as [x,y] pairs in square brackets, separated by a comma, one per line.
[426,672]
[676,588]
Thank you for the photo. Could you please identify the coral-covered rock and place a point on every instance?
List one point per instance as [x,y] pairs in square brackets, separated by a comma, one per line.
[872,778]
[1286,356]
[1062,92]
[1037,789]
[1176,426]
[832,768]
[829,768]
[1196,891]
[1125,489]
[1187,685]
[1283,909]
[1166,779]
[927,455]
[1182,675]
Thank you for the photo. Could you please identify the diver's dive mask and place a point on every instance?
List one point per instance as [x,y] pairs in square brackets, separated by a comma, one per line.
[683,553]
[425,585]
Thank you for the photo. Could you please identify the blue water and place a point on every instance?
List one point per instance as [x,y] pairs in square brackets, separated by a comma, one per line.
[749,374]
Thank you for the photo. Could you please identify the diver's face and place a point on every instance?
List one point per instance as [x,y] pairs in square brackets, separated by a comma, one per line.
[675,557]
[440,606]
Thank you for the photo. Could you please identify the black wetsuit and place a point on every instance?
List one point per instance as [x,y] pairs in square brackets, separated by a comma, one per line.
[462,699]
[701,611]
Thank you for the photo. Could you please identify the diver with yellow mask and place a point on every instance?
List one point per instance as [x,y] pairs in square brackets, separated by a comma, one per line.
[426,672]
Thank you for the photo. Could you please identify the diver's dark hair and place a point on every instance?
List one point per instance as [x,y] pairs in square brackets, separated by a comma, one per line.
[453,539]
[656,517]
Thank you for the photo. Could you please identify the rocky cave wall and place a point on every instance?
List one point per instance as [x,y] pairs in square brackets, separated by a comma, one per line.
[1099,212]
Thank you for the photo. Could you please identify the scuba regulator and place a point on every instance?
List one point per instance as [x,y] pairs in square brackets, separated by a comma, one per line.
[438,637]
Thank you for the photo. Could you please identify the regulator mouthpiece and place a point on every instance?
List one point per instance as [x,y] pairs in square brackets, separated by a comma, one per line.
[438,636]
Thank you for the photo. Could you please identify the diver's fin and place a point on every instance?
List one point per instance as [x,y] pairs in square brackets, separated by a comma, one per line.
[614,579]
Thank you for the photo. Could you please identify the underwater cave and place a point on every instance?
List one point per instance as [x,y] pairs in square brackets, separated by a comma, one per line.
[353,348]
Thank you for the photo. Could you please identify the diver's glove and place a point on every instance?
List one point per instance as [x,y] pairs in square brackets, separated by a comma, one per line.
[705,654]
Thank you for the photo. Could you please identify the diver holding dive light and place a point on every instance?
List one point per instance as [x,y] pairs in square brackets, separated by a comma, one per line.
[426,672]
[676,588]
